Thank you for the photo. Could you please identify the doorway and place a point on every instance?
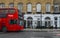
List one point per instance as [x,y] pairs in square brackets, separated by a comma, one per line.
[47,22]
[29,22]
[55,22]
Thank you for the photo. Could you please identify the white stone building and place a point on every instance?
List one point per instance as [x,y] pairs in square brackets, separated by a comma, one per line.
[34,20]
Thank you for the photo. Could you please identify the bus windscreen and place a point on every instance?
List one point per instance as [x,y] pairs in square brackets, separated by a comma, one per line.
[11,10]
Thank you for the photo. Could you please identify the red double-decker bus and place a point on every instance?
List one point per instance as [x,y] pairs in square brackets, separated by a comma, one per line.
[9,20]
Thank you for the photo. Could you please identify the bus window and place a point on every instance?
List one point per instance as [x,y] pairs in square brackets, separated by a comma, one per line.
[11,11]
[3,11]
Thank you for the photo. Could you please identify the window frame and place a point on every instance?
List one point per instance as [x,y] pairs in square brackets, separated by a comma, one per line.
[2,5]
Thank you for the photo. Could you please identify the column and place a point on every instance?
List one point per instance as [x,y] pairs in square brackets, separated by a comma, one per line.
[58,22]
[53,22]
[26,23]
[33,23]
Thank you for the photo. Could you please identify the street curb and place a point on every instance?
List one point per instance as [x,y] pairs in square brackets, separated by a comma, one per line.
[41,30]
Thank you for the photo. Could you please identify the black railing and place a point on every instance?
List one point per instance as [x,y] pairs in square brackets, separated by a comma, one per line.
[48,12]
[56,12]
[29,12]
[38,12]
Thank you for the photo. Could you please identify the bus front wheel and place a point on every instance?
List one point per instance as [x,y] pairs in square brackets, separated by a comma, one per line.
[4,29]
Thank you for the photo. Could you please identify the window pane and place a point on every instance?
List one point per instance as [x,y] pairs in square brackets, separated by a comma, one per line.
[3,11]
[29,8]
[47,7]
[20,6]
[55,18]
[11,11]
[21,22]
[56,8]
[2,5]
[11,5]
[38,7]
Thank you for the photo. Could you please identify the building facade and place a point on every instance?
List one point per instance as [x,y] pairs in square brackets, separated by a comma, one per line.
[37,13]
[29,6]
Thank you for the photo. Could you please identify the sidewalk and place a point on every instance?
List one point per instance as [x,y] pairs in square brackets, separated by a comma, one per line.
[44,30]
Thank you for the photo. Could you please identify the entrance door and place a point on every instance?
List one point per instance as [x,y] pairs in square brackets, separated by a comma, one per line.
[55,22]
[29,22]
[47,22]
[38,24]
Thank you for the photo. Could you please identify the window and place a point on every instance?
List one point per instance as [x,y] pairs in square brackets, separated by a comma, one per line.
[56,8]
[38,6]
[11,11]
[29,7]
[3,11]
[55,18]
[11,5]
[20,7]
[13,21]
[2,5]
[47,7]
[21,22]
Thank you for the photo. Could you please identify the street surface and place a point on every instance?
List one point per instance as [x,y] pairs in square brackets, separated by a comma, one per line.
[30,34]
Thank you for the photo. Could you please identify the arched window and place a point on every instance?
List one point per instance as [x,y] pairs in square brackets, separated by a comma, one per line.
[29,7]
[20,7]
[38,8]
[2,5]
[47,7]
[11,5]
[56,8]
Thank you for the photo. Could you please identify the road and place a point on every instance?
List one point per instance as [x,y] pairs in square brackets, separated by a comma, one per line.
[29,35]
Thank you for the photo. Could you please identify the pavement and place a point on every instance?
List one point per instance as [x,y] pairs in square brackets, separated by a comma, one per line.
[30,34]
